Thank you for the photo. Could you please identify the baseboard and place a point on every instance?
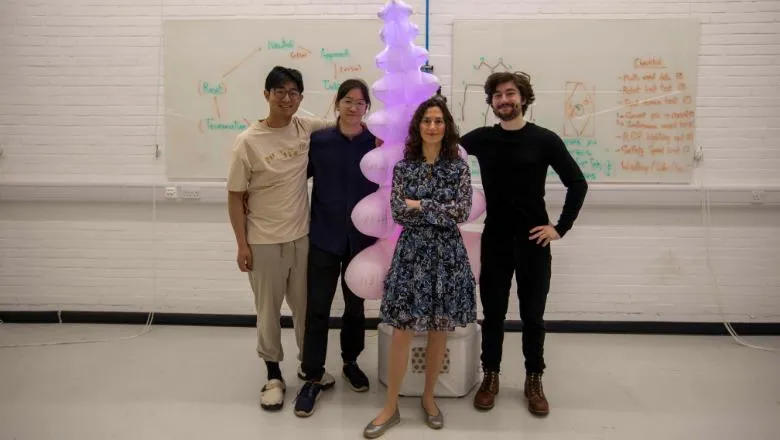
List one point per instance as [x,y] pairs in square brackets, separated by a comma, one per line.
[625,327]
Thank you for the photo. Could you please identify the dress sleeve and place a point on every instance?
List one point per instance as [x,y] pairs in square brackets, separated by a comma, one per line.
[401,213]
[457,211]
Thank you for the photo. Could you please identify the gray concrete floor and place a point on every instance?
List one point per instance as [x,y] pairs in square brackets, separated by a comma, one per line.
[203,383]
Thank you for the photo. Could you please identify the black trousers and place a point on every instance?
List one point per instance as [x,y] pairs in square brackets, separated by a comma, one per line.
[323,274]
[504,252]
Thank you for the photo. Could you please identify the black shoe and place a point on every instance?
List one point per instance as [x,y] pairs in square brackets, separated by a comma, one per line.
[356,379]
[307,398]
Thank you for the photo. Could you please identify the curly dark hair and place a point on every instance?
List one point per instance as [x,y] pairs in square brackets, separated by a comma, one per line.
[414,142]
[521,80]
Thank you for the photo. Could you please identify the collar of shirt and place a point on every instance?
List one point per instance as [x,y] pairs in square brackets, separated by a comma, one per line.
[334,135]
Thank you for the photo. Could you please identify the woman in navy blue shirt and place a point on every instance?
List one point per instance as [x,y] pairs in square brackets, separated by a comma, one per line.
[334,163]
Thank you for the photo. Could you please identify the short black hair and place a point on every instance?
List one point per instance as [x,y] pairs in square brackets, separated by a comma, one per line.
[280,75]
[438,95]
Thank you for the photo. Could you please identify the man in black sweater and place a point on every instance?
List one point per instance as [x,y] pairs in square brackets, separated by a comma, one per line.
[513,157]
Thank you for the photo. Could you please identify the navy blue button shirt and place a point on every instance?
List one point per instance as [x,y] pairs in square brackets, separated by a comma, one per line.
[334,163]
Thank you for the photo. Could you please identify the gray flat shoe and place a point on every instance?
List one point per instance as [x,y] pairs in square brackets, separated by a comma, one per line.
[433,422]
[374,431]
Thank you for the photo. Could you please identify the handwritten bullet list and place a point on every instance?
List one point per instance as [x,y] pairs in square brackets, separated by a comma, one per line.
[655,119]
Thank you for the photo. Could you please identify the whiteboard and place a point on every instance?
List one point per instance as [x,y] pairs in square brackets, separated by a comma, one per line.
[620,92]
[215,76]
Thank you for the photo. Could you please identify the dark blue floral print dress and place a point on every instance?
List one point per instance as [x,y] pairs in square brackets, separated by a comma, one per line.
[430,285]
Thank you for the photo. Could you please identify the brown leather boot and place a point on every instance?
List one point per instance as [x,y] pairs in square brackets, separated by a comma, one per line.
[537,402]
[486,395]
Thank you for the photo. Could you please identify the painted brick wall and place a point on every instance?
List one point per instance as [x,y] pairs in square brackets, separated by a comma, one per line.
[79,102]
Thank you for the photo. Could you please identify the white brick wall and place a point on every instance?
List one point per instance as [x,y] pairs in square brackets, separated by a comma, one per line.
[78,103]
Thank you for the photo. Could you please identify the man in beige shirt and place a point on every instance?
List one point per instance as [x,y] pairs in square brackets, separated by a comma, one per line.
[268,168]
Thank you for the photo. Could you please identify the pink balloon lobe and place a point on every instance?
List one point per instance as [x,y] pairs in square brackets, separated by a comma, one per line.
[462,153]
[423,87]
[372,215]
[366,273]
[374,165]
[388,124]
[389,243]
[385,87]
[399,33]
[395,10]
[401,59]
[478,205]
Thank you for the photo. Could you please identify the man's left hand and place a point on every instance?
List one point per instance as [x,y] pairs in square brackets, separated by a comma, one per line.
[544,234]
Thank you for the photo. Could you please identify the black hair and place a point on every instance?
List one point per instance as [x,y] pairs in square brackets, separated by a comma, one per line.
[353,83]
[438,95]
[280,75]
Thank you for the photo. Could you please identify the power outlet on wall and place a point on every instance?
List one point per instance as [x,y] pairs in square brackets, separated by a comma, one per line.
[171,193]
[190,193]
[698,154]
[757,197]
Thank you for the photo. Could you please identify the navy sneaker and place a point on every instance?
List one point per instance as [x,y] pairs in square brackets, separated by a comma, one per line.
[307,398]
[355,377]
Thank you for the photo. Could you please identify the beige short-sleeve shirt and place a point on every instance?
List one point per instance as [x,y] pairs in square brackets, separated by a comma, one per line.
[270,164]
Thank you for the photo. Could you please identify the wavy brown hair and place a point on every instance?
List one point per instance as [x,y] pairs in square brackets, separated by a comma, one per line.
[521,80]
[449,144]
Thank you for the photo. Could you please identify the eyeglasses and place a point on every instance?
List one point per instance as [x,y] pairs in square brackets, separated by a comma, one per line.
[292,93]
[349,103]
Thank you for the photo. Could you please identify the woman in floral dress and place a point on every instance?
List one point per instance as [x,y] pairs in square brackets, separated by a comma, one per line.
[430,286]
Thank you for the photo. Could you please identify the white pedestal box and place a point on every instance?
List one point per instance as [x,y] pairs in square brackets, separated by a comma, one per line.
[460,369]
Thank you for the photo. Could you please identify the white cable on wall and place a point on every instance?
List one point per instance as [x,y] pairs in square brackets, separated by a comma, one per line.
[706,224]
[714,284]
[150,317]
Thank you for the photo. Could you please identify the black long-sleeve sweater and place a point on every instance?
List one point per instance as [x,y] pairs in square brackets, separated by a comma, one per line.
[513,165]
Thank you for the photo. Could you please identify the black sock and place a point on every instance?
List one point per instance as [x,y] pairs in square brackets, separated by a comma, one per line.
[273,370]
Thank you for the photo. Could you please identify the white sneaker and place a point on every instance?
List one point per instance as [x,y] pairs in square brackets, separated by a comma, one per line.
[327,379]
[272,395]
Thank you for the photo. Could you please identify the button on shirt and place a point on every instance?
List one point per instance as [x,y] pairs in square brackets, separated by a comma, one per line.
[334,163]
